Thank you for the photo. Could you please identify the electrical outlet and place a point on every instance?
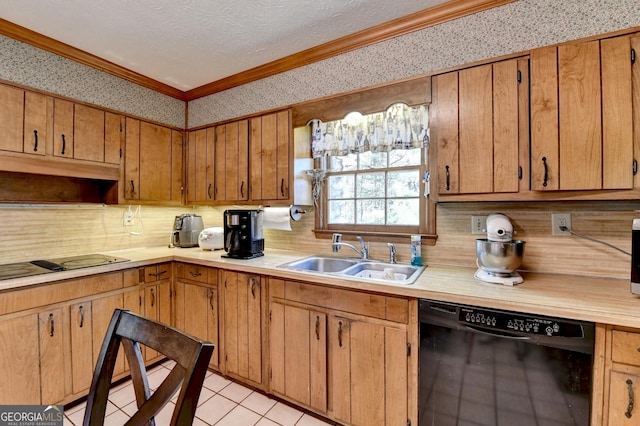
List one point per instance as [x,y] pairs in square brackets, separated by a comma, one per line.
[558,220]
[478,224]
[129,218]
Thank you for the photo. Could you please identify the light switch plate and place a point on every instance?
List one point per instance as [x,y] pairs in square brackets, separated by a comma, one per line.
[478,224]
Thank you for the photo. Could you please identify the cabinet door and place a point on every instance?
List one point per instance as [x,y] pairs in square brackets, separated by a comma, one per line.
[445,115]
[52,326]
[81,346]
[232,161]
[200,165]
[89,133]
[37,109]
[62,128]
[155,162]
[623,391]
[19,367]
[298,346]
[113,132]
[242,326]
[11,118]
[580,121]
[132,159]
[270,156]
[102,311]
[369,372]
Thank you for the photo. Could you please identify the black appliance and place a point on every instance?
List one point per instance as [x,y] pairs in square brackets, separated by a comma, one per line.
[491,367]
[243,234]
[635,256]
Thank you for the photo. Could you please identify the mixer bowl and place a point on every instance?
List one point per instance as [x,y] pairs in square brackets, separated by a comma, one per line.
[498,257]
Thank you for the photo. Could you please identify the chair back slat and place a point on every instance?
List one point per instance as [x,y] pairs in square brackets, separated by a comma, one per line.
[191,357]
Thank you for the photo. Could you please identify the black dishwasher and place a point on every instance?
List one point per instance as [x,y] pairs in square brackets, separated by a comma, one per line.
[482,366]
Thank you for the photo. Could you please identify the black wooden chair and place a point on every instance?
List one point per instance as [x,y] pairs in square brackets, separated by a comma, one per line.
[191,358]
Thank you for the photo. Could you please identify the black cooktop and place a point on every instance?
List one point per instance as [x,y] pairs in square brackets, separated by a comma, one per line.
[45,266]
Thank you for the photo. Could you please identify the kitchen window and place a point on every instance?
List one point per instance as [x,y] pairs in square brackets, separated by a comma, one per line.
[373,176]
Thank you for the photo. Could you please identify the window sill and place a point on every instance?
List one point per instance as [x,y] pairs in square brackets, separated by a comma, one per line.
[384,237]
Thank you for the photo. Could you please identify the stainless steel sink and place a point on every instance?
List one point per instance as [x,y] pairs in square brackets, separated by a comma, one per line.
[367,270]
[321,264]
[392,272]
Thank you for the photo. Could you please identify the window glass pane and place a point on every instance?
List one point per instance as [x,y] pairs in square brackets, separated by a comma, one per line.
[403,211]
[341,186]
[370,212]
[404,183]
[373,160]
[343,163]
[405,157]
[370,185]
[341,211]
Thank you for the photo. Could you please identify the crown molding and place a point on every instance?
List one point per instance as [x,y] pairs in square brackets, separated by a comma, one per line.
[43,42]
[448,11]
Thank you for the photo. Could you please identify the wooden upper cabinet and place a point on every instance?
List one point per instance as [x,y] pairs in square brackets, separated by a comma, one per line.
[89,133]
[200,165]
[37,113]
[11,118]
[477,114]
[153,162]
[232,161]
[581,116]
[62,128]
[270,157]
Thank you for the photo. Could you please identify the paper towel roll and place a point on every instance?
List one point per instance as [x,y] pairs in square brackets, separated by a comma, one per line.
[277,218]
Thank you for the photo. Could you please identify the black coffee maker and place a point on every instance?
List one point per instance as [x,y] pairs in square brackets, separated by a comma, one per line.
[243,234]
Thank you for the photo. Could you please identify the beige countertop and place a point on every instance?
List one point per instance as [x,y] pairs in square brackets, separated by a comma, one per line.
[591,299]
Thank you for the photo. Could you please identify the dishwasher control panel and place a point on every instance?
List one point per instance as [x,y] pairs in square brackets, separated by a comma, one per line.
[512,322]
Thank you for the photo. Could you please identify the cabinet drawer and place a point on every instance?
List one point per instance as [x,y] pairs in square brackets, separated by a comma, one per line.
[158,272]
[625,347]
[194,273]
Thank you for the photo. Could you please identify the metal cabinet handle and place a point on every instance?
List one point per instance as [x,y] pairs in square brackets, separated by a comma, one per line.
[242,190]
[153,298]
[209,191]
[51,325]
[253,287]
[64,145]
[448,175]
[133,188]
[635,167]
[629,411]
[81,309]
[546,171]
[161,273]
[317,327]
[35,137]
[195,273]
[282,187]
[340,333]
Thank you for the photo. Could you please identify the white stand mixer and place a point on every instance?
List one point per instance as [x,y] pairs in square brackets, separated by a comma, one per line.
[498,256]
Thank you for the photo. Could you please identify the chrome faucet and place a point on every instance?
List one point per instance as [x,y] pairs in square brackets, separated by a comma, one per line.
[392,253]
[336,243]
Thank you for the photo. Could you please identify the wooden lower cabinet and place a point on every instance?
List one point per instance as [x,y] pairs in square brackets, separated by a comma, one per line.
[298,354]
[241,301]
[53,328]
[19,360]
[196,304]
[621,377]
[343,354]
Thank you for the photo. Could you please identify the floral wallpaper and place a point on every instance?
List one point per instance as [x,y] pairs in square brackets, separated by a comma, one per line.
[515,27]
[27,65]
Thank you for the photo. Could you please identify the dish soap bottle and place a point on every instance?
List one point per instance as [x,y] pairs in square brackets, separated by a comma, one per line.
[416,250]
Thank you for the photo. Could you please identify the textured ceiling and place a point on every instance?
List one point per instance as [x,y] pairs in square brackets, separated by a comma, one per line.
[189,43]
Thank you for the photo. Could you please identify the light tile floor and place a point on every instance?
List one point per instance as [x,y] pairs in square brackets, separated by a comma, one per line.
[222,403]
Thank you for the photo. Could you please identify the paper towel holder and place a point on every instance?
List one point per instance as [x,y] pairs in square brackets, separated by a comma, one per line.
[296,212]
